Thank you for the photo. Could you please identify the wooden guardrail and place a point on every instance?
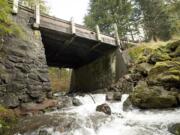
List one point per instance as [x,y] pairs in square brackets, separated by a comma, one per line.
[43,20]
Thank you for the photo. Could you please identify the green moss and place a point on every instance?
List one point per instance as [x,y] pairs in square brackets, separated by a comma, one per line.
[165,73]
[7,26]
[173,45]
[170,78]
[7,120]
[151,97]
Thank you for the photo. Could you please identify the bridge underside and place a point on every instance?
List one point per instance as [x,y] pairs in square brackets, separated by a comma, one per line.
[71,51]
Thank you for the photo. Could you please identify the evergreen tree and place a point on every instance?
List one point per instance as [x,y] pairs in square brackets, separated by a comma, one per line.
[156,21]
[173,7]
[107,12]
[31,3]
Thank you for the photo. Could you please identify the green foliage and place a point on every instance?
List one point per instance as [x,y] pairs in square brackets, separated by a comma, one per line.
[174,12]
[59,78]
[107,12]
[31,3]
[4,18]
[7,120]
[7,26]
[156,21]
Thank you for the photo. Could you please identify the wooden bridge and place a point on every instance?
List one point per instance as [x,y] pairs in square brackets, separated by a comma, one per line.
[68,44]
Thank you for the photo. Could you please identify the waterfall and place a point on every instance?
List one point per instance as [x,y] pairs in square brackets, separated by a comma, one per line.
[133,122]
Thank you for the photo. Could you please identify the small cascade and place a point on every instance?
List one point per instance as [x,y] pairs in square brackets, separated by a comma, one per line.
[84,120]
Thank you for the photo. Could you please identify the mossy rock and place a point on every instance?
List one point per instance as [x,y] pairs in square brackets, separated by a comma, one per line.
[139,54]
[175,129]
[173,45]
[7,120]
[142,68]
[176,53]
[165,73]
[158,55]
[155,97]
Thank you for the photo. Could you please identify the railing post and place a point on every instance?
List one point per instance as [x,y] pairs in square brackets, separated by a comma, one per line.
[37,15]
[15,6]
[116,34]
[98,33]
[73,26]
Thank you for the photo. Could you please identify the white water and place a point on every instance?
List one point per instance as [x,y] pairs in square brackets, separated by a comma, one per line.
[136,122]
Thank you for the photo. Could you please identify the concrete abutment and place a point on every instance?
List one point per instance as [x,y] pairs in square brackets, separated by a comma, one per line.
[99,74]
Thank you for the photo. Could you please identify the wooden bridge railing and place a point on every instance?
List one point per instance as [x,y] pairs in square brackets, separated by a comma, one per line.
[74,27]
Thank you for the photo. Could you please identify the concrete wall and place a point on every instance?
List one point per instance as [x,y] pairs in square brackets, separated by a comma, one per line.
[99,74]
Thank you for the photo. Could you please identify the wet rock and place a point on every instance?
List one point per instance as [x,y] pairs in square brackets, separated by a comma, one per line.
[50,95]
[116,96]
[104,108]
[64,102]
[44,132]
[59,122]
[175,129]
[36,107]
[76,102]
[109,96]
[127,105]
[124,85]
[152,97]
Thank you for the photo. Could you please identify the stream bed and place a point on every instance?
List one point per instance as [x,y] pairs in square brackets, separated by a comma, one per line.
[84,120]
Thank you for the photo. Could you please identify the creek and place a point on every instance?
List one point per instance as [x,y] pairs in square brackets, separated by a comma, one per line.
[86,121]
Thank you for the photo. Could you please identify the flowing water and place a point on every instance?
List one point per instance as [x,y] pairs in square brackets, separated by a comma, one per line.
[133,122]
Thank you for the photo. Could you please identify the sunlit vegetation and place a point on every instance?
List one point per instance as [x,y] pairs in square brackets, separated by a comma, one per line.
[60,79]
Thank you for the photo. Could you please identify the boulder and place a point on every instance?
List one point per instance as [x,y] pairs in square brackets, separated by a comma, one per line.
[158,56]
[44,132]
[104,108]
[65,101]
[27,108]
[110,96]
[117,96]
[174,48]
[175,129]
[166,73]
[146,97]
[76,102]
[176,53]
[127,105]
[143,68]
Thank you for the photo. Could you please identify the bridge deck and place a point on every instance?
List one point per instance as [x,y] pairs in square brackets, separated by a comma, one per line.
[65,49]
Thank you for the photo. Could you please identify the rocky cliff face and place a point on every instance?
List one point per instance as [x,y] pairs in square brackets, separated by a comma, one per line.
[23,68]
